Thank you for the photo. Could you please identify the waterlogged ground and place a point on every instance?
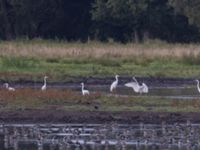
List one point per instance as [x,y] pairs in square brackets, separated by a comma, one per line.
[61,118]
[171,100]
[68,96]
[176,136]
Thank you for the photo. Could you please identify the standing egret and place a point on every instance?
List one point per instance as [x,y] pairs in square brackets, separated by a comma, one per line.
[44,87]
[114,84]
[198,88]
[8,87]
[136,87]
[84,92]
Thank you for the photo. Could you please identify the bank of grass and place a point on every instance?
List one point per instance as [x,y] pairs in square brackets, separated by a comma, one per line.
[67,100]
[21,68]
[31,59]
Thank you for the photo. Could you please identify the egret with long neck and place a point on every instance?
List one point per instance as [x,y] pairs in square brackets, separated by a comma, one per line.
[84,92]
[44,87]
[198,88]
[114,84]
[8,87]
[136,87]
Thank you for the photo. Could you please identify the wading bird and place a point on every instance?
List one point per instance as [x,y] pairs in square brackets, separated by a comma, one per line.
[84,92]
[198,88]
[114,84]
[134,84]
[136,87]
[44,87]
[8,87]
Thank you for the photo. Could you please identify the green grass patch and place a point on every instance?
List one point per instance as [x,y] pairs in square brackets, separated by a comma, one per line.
[61,59]
[62,69]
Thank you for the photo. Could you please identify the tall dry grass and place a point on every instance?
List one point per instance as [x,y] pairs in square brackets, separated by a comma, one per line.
[54,49]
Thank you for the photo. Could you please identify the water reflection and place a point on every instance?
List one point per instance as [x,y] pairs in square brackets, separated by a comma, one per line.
[186,93]
[100,136]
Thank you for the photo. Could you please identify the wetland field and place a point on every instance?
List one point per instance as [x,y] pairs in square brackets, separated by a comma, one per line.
[169,70]
[60,117]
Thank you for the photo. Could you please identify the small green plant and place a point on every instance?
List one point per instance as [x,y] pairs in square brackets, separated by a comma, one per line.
[109,62]
[19,62]
[191,59]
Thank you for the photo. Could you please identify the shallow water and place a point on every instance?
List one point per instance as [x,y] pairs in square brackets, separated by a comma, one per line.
[159,92]
[100,136]
[169,92]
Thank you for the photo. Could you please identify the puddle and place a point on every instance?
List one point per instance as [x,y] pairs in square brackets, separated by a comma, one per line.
[158,92]
[100,136]
[169,92]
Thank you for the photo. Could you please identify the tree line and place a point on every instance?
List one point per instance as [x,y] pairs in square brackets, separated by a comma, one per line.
[119,20]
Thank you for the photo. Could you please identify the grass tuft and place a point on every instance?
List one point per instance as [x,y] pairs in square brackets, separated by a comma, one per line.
[14,62]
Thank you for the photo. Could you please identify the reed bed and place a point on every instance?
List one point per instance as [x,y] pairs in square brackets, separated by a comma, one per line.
[61,49]
[32,59]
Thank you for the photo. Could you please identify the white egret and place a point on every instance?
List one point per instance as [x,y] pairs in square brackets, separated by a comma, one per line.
[44,87]
[143,88]
[114,84]
[136,87]
[198,88]
[8,87]
[134,84]
[84,92]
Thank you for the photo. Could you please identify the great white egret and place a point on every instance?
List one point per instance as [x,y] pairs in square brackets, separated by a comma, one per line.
[114,84]
[44,87]
[198,88]
[143,88]
[84,92]
[8,87]
[136,87]
[134,84]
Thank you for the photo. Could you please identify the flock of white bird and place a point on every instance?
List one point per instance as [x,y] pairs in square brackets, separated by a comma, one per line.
[134,84]
[43,88]
[143,88]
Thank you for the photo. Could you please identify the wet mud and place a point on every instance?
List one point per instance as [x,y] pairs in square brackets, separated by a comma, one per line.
[75,81]
[56,116]
[59,116]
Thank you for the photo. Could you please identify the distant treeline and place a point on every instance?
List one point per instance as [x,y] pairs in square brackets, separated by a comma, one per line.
[118,20]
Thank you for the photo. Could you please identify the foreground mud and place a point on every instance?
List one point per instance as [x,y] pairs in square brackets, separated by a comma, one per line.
[56,116]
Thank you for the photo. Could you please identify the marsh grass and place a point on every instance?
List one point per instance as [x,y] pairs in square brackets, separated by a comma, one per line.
[21,68]
[27,98]
[93,49]
[60,59]
[15,62]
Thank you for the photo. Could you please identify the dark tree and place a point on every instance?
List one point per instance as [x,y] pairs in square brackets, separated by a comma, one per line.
[189,8]
[121,20]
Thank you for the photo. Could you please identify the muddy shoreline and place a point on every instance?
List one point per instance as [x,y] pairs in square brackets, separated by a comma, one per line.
[90,81]
[57,116]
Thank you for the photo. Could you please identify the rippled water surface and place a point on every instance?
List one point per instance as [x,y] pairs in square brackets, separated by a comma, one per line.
[100,136]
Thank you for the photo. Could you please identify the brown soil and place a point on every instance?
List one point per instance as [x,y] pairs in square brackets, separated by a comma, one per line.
[57,116]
